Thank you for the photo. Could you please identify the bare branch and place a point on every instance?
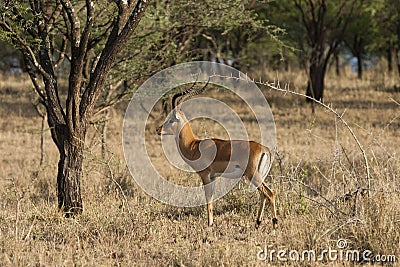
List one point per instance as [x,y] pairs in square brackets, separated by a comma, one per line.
[109,101]
[62,53]
[88,27]
[93,42]
[113,46]
[273,86]
[74,22]
[36,105]
[53,17]
[303,17]
[20,41]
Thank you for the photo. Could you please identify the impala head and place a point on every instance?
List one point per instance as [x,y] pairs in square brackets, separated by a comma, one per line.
[176,119]
[173,123]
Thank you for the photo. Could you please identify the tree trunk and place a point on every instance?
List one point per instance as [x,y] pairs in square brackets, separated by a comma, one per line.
[104,135]
[398,45]
[315,86]
[359,66]
[389,60]
[337,65]
[42,132]
[70,148]
[398,60]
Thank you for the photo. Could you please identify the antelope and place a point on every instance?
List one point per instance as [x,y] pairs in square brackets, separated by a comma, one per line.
[232,158]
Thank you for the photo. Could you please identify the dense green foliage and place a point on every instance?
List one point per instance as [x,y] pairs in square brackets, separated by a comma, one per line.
[250,34]
[247,34]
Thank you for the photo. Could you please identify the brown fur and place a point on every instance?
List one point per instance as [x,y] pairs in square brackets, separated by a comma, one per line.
[234,151]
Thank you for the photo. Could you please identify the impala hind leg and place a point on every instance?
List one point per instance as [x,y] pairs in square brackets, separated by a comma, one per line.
[265,193]
[260,213]
[271,197]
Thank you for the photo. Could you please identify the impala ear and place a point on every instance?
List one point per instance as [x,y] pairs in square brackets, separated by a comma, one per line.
[178,117]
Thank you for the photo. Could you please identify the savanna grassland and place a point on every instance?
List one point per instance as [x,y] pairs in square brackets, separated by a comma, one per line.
[319,177]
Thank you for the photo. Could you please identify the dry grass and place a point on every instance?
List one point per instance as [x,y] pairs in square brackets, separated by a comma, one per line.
[319,163]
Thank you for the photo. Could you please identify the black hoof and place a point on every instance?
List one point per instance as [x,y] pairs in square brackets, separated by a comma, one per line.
[258,223]
[275,222]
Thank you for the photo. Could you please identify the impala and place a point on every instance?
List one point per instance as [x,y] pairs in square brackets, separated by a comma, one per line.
[212,158]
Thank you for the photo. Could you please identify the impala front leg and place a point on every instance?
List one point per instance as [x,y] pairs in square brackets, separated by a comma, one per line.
[209,187]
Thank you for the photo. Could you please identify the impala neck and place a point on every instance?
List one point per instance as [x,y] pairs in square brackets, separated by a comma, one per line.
[186,138]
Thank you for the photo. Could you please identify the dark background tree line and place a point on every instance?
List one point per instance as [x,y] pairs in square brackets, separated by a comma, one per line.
[105,49]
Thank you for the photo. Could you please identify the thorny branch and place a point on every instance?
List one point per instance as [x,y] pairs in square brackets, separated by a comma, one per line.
[276,86]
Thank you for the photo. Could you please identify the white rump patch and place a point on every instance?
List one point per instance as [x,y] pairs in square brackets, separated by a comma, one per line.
[264,165]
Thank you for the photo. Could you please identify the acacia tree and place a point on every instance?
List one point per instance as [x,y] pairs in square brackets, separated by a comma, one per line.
[359,36]
[385,28]
[325,23]
[220,30]
[316,28]
[89,35]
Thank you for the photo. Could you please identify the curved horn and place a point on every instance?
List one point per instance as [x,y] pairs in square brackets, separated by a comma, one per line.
[176,97]
[181,97]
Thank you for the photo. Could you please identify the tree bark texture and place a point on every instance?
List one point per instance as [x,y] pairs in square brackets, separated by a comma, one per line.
[68,179]
[70,147]
[315,86]
[58,27]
